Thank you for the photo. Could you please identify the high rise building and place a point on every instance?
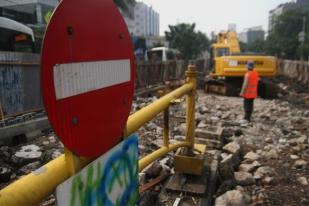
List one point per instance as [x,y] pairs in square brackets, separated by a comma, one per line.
[231,27]
[242,36]
[145,21]
[274,13]
[252,34]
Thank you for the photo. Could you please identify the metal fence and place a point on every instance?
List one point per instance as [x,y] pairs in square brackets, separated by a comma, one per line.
[20,79]
[150,73]
[19,82]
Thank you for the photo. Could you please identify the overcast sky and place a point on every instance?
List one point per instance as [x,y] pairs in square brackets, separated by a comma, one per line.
[214,15]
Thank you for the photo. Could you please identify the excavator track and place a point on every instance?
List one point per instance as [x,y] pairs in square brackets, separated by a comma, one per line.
[232,87]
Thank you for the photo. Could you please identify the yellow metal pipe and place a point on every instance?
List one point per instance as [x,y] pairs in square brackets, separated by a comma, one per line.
[34,187]
[142,163]
[190,105]
[147,113]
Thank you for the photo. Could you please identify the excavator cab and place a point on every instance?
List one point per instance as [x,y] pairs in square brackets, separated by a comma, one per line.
[221,51]
[216,52]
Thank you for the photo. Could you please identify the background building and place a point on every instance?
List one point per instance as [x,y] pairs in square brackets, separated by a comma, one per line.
[231,27]
[252,34]
[242,36]
[273,14]
[145,21]
[36,13]
[29,12]
[143,26]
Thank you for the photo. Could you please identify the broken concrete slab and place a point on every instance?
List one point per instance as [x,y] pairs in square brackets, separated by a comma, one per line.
[232,148]
[211,132]
[244,178]
[263,171]
[249,167]
[302,180]
[300,164]
[252,156]
[233,198]
[189,184]
[28,153]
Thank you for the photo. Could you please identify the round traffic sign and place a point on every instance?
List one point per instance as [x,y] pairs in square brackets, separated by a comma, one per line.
[87,75]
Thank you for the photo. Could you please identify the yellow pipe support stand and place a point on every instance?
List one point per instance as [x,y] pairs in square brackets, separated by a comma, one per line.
[166,127]
[73,162]
[190,105]
[142,163]
[34,187]
[165,122]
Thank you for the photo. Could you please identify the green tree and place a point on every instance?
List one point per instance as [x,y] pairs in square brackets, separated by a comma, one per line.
[257,46]
[283,40]
[243,46]
[38,36]
[189,42]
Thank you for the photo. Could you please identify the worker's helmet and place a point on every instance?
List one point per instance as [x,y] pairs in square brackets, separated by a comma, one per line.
[250,65]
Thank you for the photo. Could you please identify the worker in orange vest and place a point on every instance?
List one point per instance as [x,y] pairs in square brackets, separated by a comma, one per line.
[249,90]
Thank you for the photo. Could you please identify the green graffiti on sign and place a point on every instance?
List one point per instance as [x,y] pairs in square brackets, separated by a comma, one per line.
[110,180]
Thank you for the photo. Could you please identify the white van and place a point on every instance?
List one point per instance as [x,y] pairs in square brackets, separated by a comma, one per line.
[15,36]
[162,54]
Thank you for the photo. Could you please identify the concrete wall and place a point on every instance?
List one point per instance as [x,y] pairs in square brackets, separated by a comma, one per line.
[294,70]
[19,82]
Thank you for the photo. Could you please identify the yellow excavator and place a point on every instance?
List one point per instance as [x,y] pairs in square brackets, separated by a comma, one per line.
[228,67]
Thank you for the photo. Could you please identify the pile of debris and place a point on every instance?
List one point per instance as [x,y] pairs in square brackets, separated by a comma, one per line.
[17,161]
[260,163]
[265,162]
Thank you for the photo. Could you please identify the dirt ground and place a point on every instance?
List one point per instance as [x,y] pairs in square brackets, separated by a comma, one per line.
[278,133]
[275,126]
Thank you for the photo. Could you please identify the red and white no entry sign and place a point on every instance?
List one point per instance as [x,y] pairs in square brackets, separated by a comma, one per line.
[87,75]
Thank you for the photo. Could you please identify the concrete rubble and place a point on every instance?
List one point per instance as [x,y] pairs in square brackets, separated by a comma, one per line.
[244,178]
[29,152]
[258,160]
[19,160]
[264,162]
[233,198]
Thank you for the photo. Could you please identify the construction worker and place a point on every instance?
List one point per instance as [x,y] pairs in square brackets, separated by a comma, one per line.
[249,90]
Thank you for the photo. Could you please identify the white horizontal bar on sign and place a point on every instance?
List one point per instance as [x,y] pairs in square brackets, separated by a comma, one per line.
[78,78]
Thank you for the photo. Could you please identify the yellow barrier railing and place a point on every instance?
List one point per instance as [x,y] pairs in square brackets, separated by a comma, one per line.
[34,187]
